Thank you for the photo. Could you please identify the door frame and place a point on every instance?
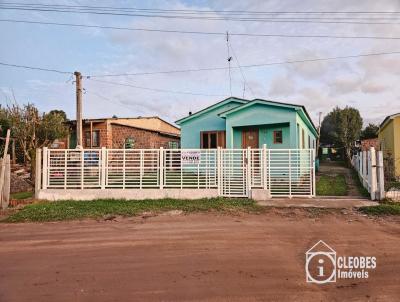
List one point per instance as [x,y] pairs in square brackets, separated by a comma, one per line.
[245,130]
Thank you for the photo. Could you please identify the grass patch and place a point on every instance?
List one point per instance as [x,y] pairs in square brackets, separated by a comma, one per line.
[332,185]
[70,210]
[383,209]
[363,191]
[21,195]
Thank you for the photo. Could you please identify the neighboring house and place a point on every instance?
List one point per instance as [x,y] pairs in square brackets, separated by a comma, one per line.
[366,144]
[118,133]
[240,123]
[389,137]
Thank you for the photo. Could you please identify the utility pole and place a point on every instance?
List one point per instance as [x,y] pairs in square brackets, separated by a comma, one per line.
[78,82]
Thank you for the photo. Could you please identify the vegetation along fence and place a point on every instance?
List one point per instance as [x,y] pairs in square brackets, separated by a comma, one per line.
[369,166]
[234,172]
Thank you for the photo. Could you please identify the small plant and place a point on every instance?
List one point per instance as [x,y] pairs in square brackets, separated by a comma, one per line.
[384,209]
[77,209]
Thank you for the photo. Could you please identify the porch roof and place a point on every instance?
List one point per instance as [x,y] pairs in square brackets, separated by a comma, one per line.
[299,108]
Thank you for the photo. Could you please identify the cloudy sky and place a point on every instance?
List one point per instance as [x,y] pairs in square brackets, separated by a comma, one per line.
[370,84]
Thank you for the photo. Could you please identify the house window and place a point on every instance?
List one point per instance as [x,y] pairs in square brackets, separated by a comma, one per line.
[173,145]
[212,139]
[303,143]
[309,142]
[95,139]
[278,137]
[87,139]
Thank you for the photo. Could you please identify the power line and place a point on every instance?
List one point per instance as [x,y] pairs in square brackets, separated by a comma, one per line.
[157,89]
[332,20]
[202,11]
[199,32]
[246,66]
[36,68]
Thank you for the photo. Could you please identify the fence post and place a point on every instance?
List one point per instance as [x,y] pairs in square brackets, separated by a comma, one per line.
[373,177]
[264,165]
[364,168]
[45,172]
[103,175]
[82,167]
[38,172]
[219,180]
[123,167]
[248,176]
[313,171]
[7,182]
[161,160]
[381,177]
[290,172]
[141,168]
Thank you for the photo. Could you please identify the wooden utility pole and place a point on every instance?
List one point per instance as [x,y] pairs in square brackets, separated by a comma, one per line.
[78,82]
[3,169]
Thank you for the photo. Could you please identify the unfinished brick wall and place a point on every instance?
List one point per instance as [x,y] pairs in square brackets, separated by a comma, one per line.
[144,139]
[105,140]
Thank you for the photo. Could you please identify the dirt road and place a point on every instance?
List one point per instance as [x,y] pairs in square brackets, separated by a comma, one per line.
[198,257]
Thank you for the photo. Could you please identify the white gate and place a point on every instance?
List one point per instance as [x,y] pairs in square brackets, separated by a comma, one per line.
[233,169]
[234,172]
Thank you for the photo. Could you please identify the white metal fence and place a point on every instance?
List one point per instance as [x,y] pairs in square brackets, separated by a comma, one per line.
[369,166]
[234,172]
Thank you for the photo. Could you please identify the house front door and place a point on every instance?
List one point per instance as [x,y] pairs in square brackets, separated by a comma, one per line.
[250,138]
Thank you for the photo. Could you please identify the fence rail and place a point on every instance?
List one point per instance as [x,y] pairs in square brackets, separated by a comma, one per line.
[234,172]
[369,167]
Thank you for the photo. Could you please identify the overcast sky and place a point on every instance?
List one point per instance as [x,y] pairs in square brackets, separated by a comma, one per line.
[370,84]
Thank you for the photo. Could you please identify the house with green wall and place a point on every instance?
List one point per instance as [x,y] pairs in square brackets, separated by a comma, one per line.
[241,123]
[389,139]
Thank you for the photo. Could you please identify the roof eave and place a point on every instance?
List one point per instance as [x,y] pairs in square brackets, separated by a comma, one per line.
[216,105]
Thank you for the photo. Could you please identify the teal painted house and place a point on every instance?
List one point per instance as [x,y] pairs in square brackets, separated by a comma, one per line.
[240,123]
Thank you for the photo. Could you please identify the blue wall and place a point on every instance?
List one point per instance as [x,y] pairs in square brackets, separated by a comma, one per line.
[208,121]
[268,118]
[264,116]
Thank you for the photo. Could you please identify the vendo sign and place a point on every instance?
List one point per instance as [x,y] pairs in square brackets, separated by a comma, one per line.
[190,157]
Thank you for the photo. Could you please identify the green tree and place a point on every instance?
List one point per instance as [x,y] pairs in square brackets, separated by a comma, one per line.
[32,130]
[59,112]
[371,131]
[341,127]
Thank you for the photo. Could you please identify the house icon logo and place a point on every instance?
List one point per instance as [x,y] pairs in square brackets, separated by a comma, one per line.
[320,264]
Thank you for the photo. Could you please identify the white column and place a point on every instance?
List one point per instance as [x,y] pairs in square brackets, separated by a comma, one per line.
[313,170]
[373,176]
[248,171]
[65,168]
[45,172]
[290,172]
[264,166]
[381,177]
[103,175]
[364,168]
[38,172]
[123,167]
[218,165]
[161,161]
[141,168]
[82,167]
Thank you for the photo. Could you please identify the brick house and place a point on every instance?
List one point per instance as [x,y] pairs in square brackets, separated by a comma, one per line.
[118,133]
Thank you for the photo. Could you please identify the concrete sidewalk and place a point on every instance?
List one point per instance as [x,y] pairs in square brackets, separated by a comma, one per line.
[325,202]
